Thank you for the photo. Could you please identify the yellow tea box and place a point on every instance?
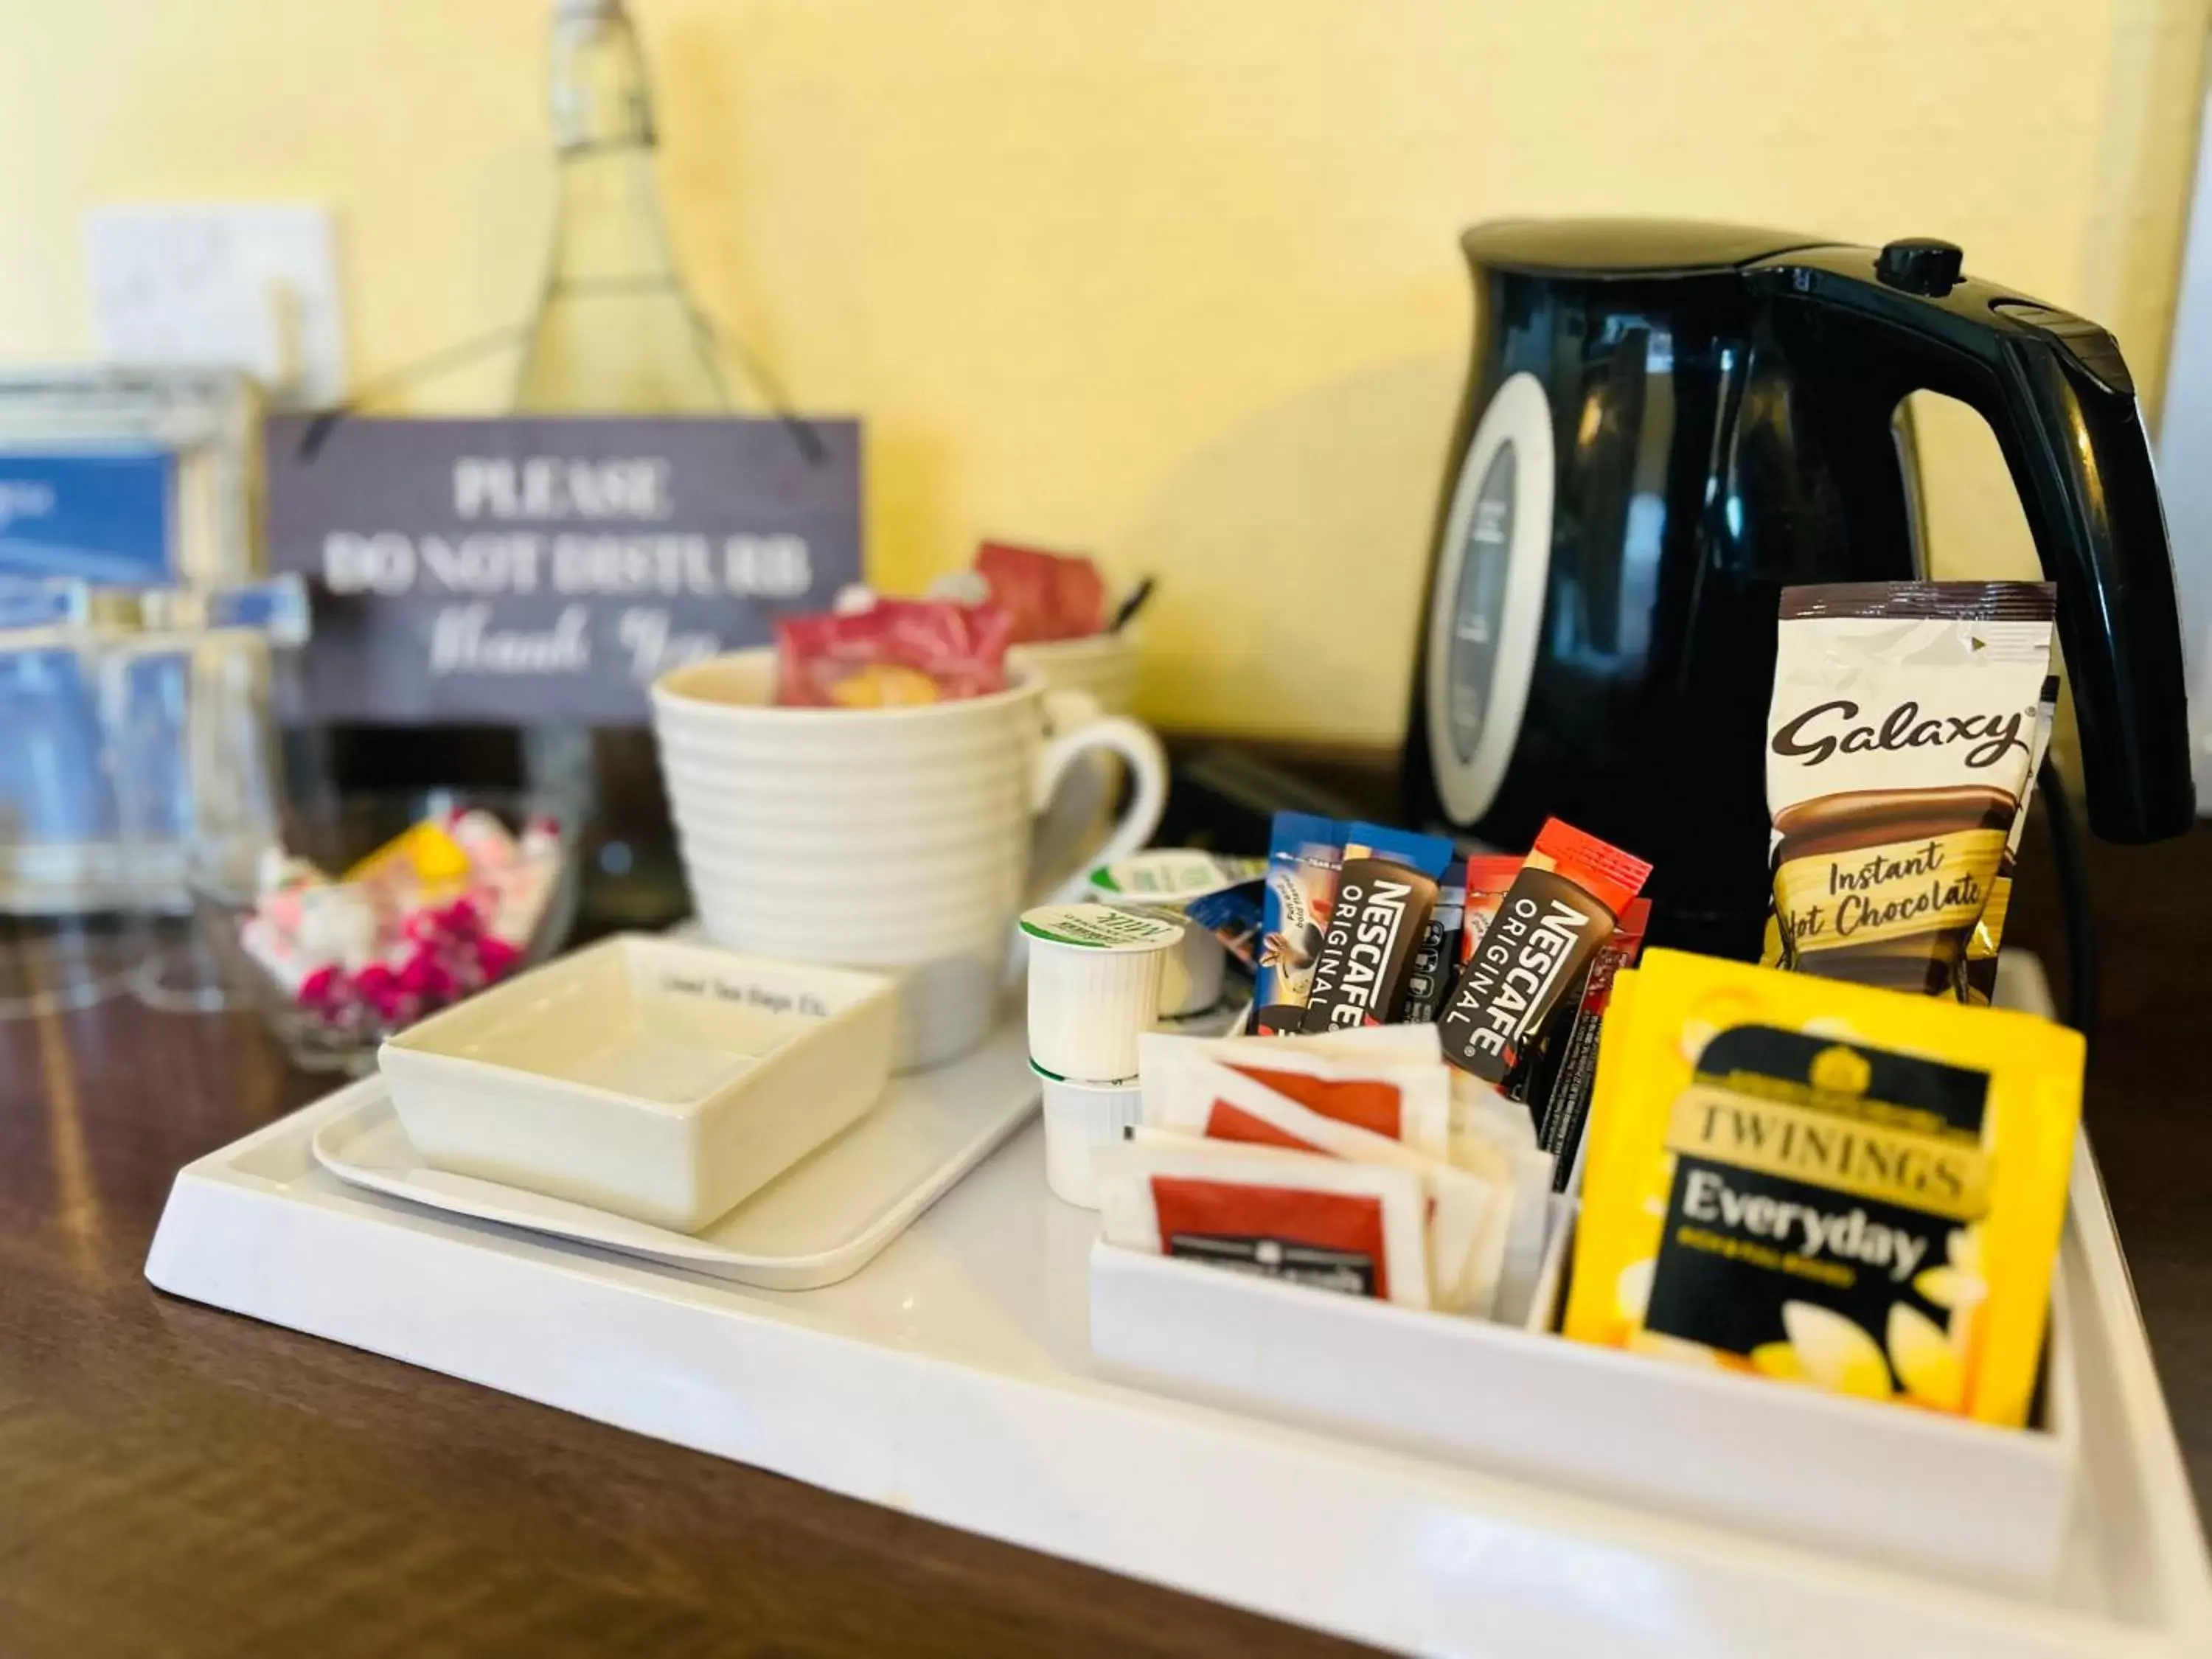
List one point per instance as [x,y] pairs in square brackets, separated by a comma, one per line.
[1825,1183]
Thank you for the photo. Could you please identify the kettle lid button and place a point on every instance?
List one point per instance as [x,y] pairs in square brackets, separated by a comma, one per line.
[1920,264]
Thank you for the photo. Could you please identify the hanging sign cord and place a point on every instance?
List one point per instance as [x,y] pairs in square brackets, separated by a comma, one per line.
[714,346]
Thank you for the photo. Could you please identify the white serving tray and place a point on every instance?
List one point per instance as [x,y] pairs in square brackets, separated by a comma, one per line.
[952,1379]
[823,1220]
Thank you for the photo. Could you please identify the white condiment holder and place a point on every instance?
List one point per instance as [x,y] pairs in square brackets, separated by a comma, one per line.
[1882,1482]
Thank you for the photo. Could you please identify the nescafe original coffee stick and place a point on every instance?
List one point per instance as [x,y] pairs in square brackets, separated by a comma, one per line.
[1429,976]
[1304,855]
[1384,896]
[1567,1095]
[1560,909]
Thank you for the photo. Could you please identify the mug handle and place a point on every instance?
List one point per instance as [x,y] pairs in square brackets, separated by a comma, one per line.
[1077,728]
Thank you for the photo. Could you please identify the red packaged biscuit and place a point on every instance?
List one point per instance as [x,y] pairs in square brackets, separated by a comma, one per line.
[1049,596]
[896,651]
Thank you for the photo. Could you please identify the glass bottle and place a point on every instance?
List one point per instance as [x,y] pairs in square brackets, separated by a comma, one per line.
[616,332]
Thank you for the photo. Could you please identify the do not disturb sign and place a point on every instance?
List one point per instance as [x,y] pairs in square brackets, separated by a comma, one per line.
[532,569]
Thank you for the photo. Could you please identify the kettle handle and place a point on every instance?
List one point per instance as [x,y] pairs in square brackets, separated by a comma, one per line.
[2058,394]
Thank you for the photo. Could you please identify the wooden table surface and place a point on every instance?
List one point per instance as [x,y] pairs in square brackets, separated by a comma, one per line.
[175,1480]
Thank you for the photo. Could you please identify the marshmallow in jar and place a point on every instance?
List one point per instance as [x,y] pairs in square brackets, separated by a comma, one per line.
[1094,987]
[1169,877]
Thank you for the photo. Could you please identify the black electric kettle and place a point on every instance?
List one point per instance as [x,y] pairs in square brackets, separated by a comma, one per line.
[1668,424]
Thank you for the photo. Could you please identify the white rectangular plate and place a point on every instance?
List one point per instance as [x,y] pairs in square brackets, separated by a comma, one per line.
[819,1222]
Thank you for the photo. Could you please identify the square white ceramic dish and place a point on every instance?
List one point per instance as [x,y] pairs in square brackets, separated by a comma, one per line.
[658,1081]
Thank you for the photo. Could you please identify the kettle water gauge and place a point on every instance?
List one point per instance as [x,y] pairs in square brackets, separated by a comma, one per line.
[1487,599]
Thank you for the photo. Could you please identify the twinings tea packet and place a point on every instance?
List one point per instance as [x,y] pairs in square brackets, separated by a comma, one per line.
[1899,742]
[1825,1184]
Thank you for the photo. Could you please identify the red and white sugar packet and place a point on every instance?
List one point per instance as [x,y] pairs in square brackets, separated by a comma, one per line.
[1398,1087]
[1353,1228]
[1467,1215]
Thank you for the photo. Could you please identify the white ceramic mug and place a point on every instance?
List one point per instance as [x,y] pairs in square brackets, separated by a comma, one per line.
[1103,665]
[901,839]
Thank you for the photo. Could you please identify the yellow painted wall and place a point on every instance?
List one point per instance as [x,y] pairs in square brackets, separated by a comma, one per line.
[1172,280]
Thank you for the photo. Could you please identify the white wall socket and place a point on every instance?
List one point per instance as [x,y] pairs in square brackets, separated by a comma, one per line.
[246,285]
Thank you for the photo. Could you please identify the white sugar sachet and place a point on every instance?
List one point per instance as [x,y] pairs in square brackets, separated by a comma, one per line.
[1466,1228]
